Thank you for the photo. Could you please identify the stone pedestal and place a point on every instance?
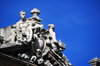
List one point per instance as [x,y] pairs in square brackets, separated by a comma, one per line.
[95,62]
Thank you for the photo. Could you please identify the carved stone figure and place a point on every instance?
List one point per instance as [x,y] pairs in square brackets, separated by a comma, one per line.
[21,26]
[53,36]
[52,33]
[38,46]
[16,30]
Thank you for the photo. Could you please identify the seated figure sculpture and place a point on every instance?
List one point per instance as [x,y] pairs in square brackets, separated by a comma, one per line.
[24,27]
[33,24]
[52,33]
[15,31]
[53,36]
[20,26]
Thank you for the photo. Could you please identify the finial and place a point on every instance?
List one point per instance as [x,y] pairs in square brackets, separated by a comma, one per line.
[35,10]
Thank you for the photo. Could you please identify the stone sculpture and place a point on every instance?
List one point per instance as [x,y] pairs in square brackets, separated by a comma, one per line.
[52,33]
[43,48]
[17,29]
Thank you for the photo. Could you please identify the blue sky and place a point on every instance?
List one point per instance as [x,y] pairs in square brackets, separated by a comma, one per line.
[77,23]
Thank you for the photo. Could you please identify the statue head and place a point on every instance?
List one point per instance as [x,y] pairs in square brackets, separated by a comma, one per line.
[51,26]
[22,14]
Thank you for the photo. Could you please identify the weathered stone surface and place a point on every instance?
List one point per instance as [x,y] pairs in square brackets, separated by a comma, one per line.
[95,62]
[6,32]
[6,60]
[30,44]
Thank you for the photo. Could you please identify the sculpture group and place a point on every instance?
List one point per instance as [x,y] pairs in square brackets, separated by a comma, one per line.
[45,50]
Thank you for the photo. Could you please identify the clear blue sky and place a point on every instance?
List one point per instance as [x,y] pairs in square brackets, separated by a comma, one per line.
[77,23]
